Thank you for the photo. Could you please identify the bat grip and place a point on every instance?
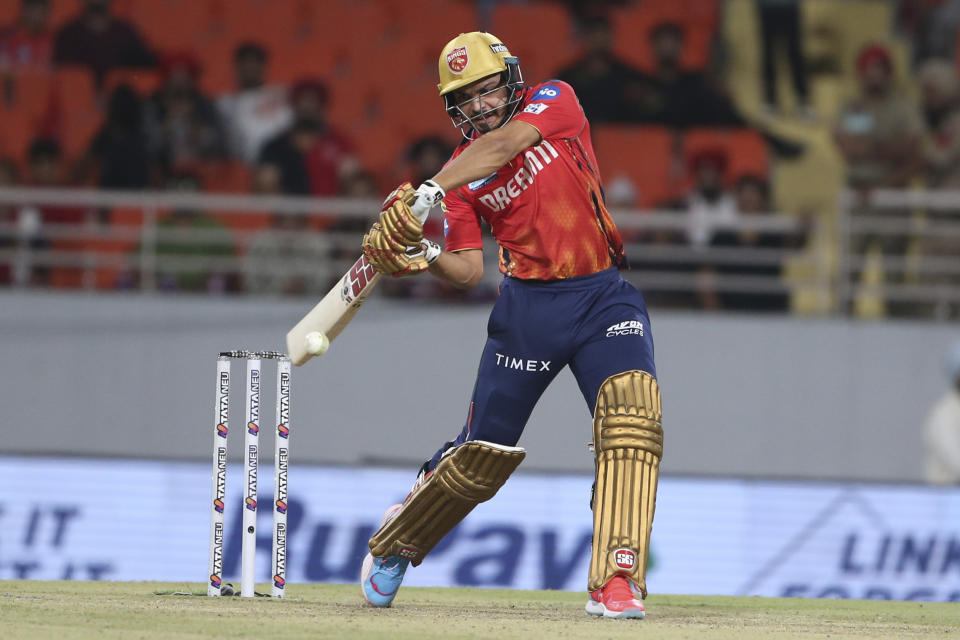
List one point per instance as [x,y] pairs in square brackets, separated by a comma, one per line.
[421,209]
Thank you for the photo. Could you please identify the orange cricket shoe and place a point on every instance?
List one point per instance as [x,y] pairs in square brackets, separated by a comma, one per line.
[616,600]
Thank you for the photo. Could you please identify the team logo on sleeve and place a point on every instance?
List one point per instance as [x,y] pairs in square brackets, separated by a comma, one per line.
[536,108]
[547,92]
[482,182]
[458,59]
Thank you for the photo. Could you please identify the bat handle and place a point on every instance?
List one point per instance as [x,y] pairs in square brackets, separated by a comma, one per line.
[421,209]
[428,194]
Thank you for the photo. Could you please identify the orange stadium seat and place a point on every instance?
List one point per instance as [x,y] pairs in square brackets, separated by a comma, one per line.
[31,112]
[9,12]
[746,149]
[633,26]
[63,10]
[380,148]
[542,51]
[79,112]
[434,22]
[15,134]
[176,25]
[641,153]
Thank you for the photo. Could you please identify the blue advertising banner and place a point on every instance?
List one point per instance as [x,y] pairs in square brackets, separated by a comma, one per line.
[85,519]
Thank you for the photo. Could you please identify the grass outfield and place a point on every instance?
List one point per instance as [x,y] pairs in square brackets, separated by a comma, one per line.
[63,610]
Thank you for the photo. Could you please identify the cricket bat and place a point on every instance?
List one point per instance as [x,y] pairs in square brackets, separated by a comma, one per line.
[335,310]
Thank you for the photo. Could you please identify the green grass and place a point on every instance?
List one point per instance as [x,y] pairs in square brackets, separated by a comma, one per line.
[64,610]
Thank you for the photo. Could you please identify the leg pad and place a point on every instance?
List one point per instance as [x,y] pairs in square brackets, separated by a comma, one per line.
[467,475]
[628,441]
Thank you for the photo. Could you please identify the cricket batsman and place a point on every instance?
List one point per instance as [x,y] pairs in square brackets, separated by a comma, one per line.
[527,168]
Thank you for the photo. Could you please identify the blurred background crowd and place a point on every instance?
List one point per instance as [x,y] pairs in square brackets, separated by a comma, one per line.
[753,150]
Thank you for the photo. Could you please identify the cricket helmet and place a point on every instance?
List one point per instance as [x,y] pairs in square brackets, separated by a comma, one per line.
[471,57]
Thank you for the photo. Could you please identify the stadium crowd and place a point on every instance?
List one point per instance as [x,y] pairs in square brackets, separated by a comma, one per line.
[283,98]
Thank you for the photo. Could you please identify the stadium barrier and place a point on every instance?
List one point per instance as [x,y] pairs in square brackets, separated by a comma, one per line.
[898,253]
[132,239]
[719,536]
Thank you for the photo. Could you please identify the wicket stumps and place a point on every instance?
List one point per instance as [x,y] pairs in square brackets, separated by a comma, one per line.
[281,456]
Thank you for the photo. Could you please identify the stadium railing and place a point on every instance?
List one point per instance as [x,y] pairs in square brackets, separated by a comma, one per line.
[103,253]
[899,253]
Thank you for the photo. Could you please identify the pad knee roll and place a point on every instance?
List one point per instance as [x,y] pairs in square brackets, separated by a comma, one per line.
[628,442]
[471,473]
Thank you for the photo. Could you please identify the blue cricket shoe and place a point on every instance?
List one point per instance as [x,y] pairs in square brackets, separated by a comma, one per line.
[380,578]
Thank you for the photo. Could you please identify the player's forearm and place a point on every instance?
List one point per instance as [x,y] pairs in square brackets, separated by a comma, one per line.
[487,154]
[462,270]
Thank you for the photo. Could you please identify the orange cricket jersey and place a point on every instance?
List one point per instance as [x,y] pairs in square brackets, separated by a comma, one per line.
[545,207]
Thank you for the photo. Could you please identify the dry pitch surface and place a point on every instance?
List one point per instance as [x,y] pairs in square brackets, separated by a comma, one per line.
[63,610]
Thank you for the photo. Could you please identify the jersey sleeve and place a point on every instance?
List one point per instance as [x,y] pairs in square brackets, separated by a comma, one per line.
[461,224]
[553,108]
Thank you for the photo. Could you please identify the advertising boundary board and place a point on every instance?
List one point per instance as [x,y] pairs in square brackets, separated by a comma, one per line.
[94,519]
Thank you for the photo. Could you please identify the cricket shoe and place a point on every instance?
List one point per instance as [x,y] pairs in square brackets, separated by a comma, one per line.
[616,600]
[380,578]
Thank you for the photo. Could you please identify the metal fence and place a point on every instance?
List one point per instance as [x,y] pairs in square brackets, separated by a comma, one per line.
[249,244]
[899,253]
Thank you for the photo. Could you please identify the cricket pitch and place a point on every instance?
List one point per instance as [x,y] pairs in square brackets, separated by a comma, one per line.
[65,610]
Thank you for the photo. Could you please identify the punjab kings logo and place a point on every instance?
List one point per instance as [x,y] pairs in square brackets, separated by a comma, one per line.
[624,558]
[458,59]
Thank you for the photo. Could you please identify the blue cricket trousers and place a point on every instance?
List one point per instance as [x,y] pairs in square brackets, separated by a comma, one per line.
[597,324]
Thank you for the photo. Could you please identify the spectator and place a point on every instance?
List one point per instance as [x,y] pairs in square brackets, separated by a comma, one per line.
[47,169]
[28,42]
[941,433]
[289,257]
[752,194]
[182,125]
[880,135]
[680,98]
[426,156]
[780,23]
[712,213]
[361,184]
[256,112]
[940,103]
[193,247]
[311,155]
[118,152]
[40,224]
[621,193]
[9,216]
[930,26]
[710,205]
[101,41]
[879,132]
[610,89]
[24,44]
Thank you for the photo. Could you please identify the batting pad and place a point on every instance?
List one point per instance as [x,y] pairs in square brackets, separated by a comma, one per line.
[469,474]
[628,440]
